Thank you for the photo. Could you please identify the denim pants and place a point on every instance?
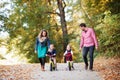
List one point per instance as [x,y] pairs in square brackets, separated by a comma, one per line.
[91,52]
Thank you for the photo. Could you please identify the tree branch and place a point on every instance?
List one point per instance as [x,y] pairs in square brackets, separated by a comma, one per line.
[53,13]
[64,4]
[86,14]
[49,1]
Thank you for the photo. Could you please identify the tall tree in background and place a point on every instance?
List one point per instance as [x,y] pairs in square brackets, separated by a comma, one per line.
[61,6]
[27,19]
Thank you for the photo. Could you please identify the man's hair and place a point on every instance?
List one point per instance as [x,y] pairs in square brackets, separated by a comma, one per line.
[82,25]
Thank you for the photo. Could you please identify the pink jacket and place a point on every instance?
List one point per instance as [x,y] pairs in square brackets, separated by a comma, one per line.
[88,38]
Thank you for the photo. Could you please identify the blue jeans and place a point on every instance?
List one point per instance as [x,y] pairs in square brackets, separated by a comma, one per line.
[91,52]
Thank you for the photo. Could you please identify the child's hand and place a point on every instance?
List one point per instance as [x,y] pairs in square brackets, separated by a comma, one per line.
[46,55]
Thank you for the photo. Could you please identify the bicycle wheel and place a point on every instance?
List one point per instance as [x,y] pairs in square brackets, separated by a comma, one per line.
[51,67]
[69,66]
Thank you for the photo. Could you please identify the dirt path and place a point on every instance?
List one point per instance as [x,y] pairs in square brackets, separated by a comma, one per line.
[63,74]
[105,69]
[33,72]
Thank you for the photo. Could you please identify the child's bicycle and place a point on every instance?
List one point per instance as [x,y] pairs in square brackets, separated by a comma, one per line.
[70,64]
[52,64]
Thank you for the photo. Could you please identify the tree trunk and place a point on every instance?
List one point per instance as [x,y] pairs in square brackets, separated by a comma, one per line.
[61,6]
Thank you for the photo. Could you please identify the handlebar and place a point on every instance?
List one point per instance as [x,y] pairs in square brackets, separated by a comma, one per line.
[50,55]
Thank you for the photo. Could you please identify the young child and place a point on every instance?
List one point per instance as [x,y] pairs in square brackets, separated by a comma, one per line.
[68,55]
[52,52]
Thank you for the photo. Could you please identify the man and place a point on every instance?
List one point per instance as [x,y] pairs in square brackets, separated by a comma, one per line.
[88,44]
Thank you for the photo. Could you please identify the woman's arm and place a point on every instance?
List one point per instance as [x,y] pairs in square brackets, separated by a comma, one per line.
[48,42]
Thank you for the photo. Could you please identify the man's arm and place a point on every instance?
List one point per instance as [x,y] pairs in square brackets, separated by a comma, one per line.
[95,39]
[81,42]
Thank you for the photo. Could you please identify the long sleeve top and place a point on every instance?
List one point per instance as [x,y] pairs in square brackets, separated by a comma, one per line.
[45,43]
[88,38]
[51,52]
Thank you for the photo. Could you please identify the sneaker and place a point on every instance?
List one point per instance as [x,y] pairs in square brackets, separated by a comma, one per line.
[91,69]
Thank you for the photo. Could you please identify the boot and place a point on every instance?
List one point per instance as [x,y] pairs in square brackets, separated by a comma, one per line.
[42,68]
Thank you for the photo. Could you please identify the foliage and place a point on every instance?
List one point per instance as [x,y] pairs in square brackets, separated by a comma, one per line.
[29,17]
[24,24]
[103,15]
[110,37]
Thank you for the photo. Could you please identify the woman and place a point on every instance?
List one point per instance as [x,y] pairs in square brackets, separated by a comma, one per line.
[42,44]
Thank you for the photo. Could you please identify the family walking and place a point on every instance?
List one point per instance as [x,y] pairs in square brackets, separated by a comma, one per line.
[88,44]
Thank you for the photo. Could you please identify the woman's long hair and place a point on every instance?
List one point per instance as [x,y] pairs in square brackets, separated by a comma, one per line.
[41,33]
